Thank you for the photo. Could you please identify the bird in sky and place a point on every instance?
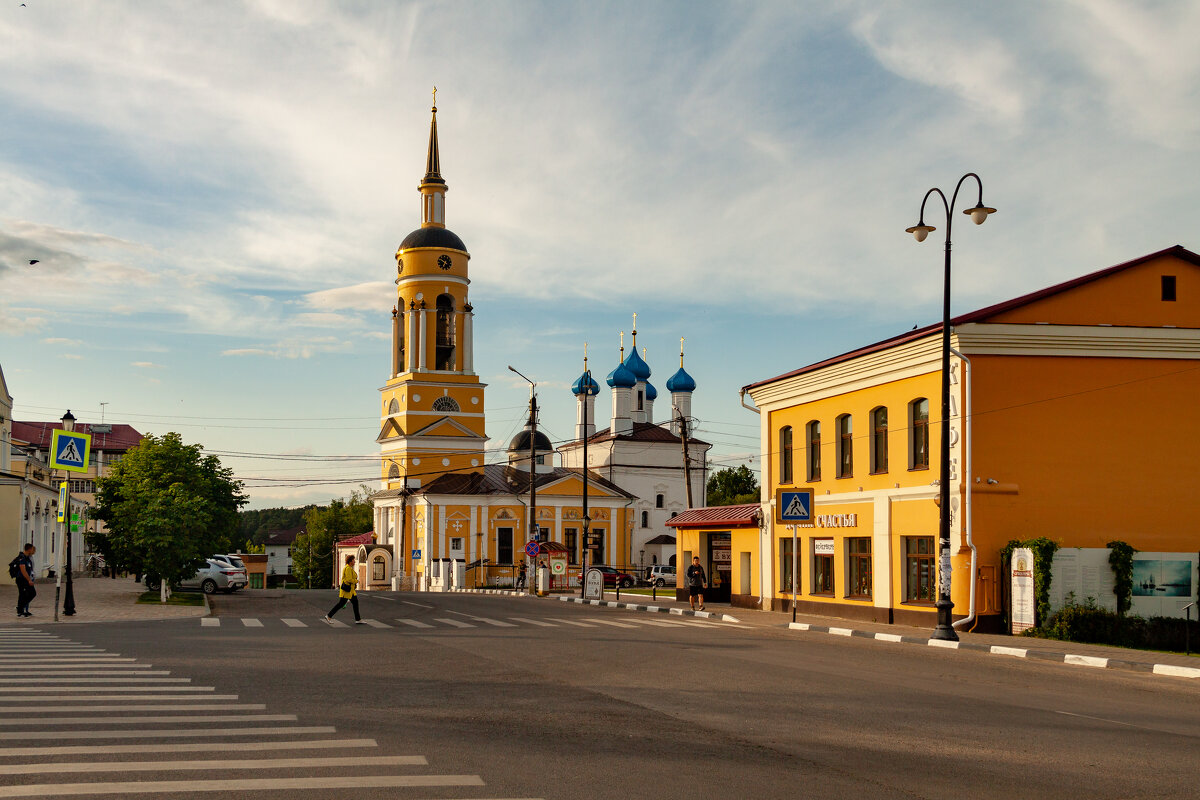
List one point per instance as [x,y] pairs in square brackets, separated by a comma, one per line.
[32,261]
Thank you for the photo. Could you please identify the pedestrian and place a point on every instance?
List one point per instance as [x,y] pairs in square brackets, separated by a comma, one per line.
[521,576]
[696,580]
[21,568]
[347,593]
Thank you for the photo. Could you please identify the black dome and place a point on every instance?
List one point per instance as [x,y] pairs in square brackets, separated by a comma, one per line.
[433,237]
[520,442]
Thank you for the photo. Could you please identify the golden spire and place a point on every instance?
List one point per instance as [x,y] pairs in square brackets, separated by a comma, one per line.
[681,340]
[622,346]
[433,161]
[635,330]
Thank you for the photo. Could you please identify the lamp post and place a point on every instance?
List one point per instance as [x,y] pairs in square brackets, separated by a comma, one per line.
[534,533]
[978,214]
[68,424]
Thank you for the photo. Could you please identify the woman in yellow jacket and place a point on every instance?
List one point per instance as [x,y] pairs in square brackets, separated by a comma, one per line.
[346,592]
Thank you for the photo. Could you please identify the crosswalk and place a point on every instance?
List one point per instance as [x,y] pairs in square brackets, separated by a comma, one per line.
[448,623]
[74,713]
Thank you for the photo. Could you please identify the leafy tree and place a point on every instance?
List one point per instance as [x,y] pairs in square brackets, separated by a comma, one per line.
[312,554]
[167,507]
[732,486]
[258,523]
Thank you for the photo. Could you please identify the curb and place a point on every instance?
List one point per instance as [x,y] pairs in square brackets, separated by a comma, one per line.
[679,612]
[1016,652]
[509,592]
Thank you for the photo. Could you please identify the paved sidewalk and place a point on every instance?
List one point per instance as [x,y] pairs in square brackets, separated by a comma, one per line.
[96,600]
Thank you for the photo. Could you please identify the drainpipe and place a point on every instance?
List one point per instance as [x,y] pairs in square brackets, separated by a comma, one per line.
[970,618]
[742,397]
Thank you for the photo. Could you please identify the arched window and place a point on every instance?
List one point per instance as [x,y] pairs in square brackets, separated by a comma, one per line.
[918,434]
[785,454]
[645,519]
[444,337]
[444,403]
[394,406]
[879,440]
[845,446]
[393,471]
[378,567]
[813,430]
[658,501]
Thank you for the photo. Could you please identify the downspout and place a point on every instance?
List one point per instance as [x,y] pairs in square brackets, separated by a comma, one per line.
[967,501]
[742,397]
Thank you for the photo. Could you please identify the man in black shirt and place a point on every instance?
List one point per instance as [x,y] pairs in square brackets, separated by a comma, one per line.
[696,580]
[25,590]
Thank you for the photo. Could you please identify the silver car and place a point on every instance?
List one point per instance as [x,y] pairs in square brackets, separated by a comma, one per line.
[214,575]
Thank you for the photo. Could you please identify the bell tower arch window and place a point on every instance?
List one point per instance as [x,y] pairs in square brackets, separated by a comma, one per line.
[394,406]
[446,404]
[444,336]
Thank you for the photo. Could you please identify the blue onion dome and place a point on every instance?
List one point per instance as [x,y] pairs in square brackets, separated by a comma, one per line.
[681,382]
[585,383]
[634,363]
[651,392]
[621,378]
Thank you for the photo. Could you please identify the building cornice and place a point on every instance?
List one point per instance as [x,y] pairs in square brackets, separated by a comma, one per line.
[1083,341]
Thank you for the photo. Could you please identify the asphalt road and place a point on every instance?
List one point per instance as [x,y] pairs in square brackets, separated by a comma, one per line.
[502,697]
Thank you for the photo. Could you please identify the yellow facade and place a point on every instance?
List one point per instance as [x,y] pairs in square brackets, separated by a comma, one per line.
[1071,414]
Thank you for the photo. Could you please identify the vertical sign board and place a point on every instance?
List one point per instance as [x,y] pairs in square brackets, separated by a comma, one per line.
[62,501]
[1023,606]
[593,585]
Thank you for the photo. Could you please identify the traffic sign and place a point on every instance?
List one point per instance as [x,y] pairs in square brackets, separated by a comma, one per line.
[62,501]
[416,554]
[531,549]
[70,451]
[793,506]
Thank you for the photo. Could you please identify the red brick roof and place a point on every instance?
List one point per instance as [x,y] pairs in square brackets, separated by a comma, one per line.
[1178,251]
[714,516]
[119,439]
[355,541]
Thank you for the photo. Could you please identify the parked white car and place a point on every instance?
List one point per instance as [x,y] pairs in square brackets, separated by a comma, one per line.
[213,576]
[661,575]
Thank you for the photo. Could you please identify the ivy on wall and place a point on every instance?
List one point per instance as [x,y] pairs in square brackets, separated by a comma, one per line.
[1120,558]
[1043,551]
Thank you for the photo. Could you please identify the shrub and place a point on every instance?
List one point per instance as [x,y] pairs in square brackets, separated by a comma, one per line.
[1089,624]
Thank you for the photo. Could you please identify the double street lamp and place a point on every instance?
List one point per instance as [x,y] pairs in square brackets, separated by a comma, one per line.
[978,214]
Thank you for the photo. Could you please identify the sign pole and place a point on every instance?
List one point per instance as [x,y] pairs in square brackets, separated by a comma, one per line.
[794,570]
[69,594]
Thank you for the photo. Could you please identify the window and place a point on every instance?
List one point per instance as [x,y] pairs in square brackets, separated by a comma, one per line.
[858,553]
[456,543]
[787,563]
[879,440]
[845,446]
[444,342]
[658,501]
[785,454]
[641,400]
[504,545]
[444,403]
[394,406]
[645,519]
[918,434]
[822,575]
[377,568]
[597,555]
[393,470]
[814,450]
[1168,287]
[571,541]
[920,574]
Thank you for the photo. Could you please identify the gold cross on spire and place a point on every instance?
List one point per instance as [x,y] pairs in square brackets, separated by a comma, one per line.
[585,356]
[435,98]
[681,340]
[622,345]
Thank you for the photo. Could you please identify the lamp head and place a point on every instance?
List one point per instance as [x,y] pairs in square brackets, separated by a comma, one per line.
[68,421]
[920,230]
[979,213]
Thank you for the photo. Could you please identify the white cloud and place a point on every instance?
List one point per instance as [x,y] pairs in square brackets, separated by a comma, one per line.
[146,365]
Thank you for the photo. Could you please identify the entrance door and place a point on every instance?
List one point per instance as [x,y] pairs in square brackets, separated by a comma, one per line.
[720,567]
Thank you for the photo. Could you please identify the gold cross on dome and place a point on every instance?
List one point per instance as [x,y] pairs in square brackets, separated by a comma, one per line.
[435,97]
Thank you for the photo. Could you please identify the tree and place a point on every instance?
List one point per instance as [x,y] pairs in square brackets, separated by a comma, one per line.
[168,507]
[730,486]
[312,554]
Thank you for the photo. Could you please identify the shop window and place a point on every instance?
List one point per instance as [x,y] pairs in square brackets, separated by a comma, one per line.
[504,545]
[918,434]
[858,568]
[787,565]
[822,575]
[845,446]
[785,454]
[571,542]
[645,519]
[879,440]
[377,569]
[920,571]
[814,450]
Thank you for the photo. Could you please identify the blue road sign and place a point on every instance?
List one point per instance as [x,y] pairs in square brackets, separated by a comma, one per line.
[70,451]
[794,506]
[416,554]
[531,549]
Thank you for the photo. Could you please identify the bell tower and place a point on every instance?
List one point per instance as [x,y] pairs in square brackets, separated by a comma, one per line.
[431,406]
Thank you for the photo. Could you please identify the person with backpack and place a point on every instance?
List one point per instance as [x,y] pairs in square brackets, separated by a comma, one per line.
[21,568]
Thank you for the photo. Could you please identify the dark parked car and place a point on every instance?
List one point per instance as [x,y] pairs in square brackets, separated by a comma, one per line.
[615,577]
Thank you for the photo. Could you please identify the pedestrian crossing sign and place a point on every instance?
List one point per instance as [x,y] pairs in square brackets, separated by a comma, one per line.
[70,451]
[794,506]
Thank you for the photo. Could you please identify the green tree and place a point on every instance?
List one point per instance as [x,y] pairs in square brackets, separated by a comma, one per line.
[313,552]
[167,507]
[732,486]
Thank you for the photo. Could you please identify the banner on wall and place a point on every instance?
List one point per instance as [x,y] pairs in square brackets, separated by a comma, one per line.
[1023,605]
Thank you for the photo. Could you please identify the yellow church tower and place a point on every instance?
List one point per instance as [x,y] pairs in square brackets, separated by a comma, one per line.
[431,406]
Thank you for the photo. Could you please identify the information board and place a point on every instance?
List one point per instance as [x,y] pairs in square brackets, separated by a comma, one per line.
[1023,608]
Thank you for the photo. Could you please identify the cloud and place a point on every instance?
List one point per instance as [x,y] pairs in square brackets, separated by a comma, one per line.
[370,296]
[146,364]
[57,340]
[299,349]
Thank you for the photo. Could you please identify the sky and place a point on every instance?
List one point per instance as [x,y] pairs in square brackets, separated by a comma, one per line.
[215,191]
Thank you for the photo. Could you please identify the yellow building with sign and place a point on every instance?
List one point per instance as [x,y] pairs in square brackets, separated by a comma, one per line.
[440,504]
[1072,417]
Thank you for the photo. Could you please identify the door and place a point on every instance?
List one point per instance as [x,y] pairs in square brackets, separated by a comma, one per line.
[720,567]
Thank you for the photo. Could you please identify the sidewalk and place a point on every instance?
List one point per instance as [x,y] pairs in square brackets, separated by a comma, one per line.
[96,600]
